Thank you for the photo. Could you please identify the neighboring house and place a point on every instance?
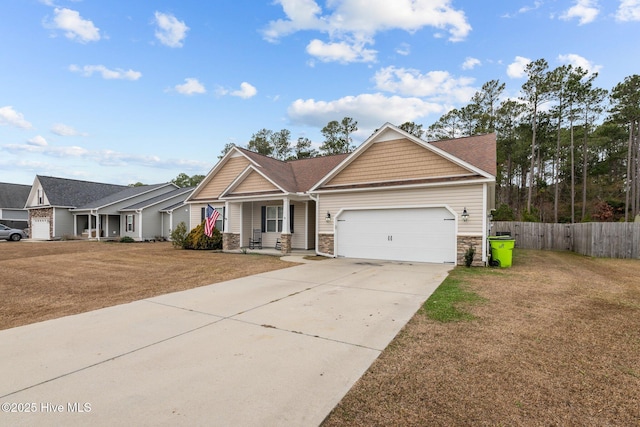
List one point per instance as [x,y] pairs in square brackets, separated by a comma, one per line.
[147,219]
[61,207]
[396,197]
[51,199]
[13,197]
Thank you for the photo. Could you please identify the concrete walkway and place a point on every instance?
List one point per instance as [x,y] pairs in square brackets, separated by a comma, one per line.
[275,349]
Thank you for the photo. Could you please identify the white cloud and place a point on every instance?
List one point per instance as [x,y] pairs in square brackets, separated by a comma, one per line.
[246,91]
[9,116]
[629,10]
[585,10]
[438,85]
[104,157]
[369,110]
[404,49]
[38,141]
[354,22]
[340,52]
[106,73]
[470,63]
[191,87]
[64,130]
[75,27]
[516,69]
[579,61]
[171,32]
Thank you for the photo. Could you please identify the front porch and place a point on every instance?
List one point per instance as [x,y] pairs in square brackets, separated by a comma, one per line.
[96,226]
[283,225]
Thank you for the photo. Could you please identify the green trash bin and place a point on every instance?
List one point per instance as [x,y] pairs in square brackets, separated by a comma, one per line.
[502,250]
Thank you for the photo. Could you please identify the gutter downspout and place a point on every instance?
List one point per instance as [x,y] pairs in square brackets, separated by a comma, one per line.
[317,200]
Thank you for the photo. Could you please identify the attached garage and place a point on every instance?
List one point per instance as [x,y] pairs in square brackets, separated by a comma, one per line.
[40,229]
[419,234]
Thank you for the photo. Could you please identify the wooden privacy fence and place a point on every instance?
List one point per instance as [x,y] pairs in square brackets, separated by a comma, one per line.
[597,239]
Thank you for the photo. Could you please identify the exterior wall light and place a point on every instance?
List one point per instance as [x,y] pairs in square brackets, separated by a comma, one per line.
[465,215]
[328,217]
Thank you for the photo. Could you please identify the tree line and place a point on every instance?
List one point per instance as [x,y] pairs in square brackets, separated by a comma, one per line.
[277,144]
[567,150]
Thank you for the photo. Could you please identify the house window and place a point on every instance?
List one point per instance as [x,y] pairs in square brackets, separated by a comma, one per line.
[220,222]
[40,198]
[274,219]
[130,223]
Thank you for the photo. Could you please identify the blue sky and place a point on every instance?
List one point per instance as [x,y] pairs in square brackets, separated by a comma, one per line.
[139,91]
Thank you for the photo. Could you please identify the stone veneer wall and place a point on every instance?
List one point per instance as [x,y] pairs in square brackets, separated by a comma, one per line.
[464,242]
[230,241]
[285,243]
[42,213]
[325,245]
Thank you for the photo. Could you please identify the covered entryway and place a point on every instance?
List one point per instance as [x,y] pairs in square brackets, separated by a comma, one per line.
[425,234]
[40,228]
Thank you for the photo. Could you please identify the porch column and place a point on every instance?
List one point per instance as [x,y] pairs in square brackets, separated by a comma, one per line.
[285,236]
[75,224]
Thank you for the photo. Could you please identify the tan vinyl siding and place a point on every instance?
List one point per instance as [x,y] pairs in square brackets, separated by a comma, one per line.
[455,197]
[195,214]
[396,160]
[229,171]
[234,214]
[253,183]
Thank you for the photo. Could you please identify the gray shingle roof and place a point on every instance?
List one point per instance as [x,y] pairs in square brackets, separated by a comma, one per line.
[13,196]
[71,192]
[157,199]
[120,195]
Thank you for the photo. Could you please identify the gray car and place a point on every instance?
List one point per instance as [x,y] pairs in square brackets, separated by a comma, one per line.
[13,234]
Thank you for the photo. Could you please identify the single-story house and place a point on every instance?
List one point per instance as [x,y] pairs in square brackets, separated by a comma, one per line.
[60,207]
[396,197]
[12,200]
[150,214]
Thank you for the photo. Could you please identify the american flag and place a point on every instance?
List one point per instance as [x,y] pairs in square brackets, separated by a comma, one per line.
[210,220]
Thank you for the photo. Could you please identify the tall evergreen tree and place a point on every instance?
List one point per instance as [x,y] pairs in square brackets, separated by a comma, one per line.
[535,93]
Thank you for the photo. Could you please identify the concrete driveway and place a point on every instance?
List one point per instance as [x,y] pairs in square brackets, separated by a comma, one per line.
[275,349]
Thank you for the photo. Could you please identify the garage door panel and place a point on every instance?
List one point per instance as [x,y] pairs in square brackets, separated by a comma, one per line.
[417,234]
[40,229]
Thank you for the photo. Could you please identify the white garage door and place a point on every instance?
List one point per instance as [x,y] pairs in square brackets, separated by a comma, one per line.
[40,229]
[411,234]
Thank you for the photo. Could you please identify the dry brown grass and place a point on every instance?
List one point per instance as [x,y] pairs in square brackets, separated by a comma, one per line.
[45,280]
[556,343]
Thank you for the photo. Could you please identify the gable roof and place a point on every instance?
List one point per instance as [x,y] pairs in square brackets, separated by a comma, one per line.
[483,154]
[72,193]
[479,150]
[122,195]
[159,199]
[13,196]
[294,176]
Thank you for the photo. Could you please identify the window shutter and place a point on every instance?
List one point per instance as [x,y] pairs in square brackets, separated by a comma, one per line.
[263,218]
[223,216]
[202,214]
[291,219]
